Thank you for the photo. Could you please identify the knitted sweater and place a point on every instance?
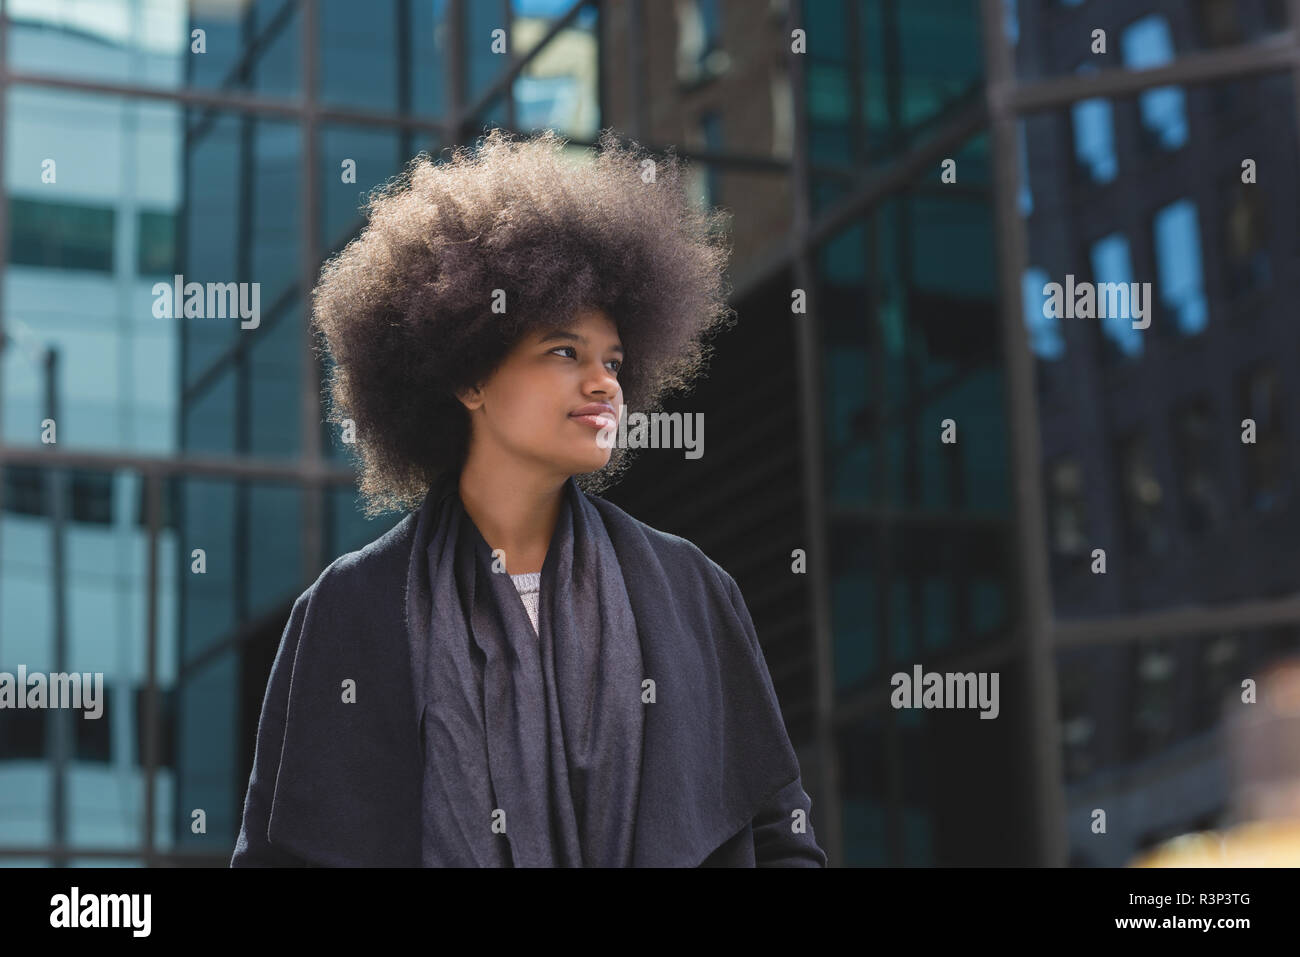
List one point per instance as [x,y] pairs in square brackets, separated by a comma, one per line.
[529,588]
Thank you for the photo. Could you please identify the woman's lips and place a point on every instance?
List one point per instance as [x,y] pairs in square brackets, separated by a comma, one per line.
[602,420]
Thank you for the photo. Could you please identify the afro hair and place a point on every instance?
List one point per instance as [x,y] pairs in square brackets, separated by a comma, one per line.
[406,308]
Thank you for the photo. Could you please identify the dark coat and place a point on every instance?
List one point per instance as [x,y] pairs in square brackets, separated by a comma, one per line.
[338,784]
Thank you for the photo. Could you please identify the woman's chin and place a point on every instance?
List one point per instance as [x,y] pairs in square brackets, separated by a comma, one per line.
[592,460]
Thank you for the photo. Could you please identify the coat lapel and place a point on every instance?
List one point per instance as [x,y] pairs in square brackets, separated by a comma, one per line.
[348,788]
[715,746]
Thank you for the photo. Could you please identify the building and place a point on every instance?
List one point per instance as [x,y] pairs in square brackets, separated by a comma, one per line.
[888,299]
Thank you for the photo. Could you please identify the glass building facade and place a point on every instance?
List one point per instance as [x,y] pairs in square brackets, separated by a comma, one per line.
[906,178]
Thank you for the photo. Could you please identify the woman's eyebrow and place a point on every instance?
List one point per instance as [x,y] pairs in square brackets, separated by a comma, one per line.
[573,337]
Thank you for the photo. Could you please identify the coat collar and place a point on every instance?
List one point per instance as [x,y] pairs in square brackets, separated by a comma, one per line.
[347,791]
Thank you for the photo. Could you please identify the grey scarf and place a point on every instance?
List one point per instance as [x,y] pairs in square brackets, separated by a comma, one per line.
[532,742]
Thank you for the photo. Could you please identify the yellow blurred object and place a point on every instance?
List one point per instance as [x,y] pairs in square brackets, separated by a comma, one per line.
[1263,734]
[1270,843]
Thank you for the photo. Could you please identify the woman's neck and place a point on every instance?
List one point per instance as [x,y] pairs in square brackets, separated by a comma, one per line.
[514,511]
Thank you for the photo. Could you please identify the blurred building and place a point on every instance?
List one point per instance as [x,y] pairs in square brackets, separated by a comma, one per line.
[1177,172]
[235,140]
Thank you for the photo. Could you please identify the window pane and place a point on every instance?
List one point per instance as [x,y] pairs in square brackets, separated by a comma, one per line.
[242,323]
[61,235]
[1263,442]
[234,600]
[1199,441]
[865,793]
[855,605]
[250,46]
[387,56]
[559,88]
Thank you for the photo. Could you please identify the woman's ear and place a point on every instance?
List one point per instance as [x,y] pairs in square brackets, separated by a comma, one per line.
[471,397]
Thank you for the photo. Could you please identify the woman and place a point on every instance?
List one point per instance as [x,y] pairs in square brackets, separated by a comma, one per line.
[519,673]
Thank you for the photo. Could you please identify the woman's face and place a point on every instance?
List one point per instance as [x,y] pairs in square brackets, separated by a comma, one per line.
[548,401]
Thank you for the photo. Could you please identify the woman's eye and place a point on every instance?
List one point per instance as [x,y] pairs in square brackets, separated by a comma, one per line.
[572,352]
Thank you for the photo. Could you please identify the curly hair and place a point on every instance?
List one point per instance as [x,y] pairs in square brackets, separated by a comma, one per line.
[406,308]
